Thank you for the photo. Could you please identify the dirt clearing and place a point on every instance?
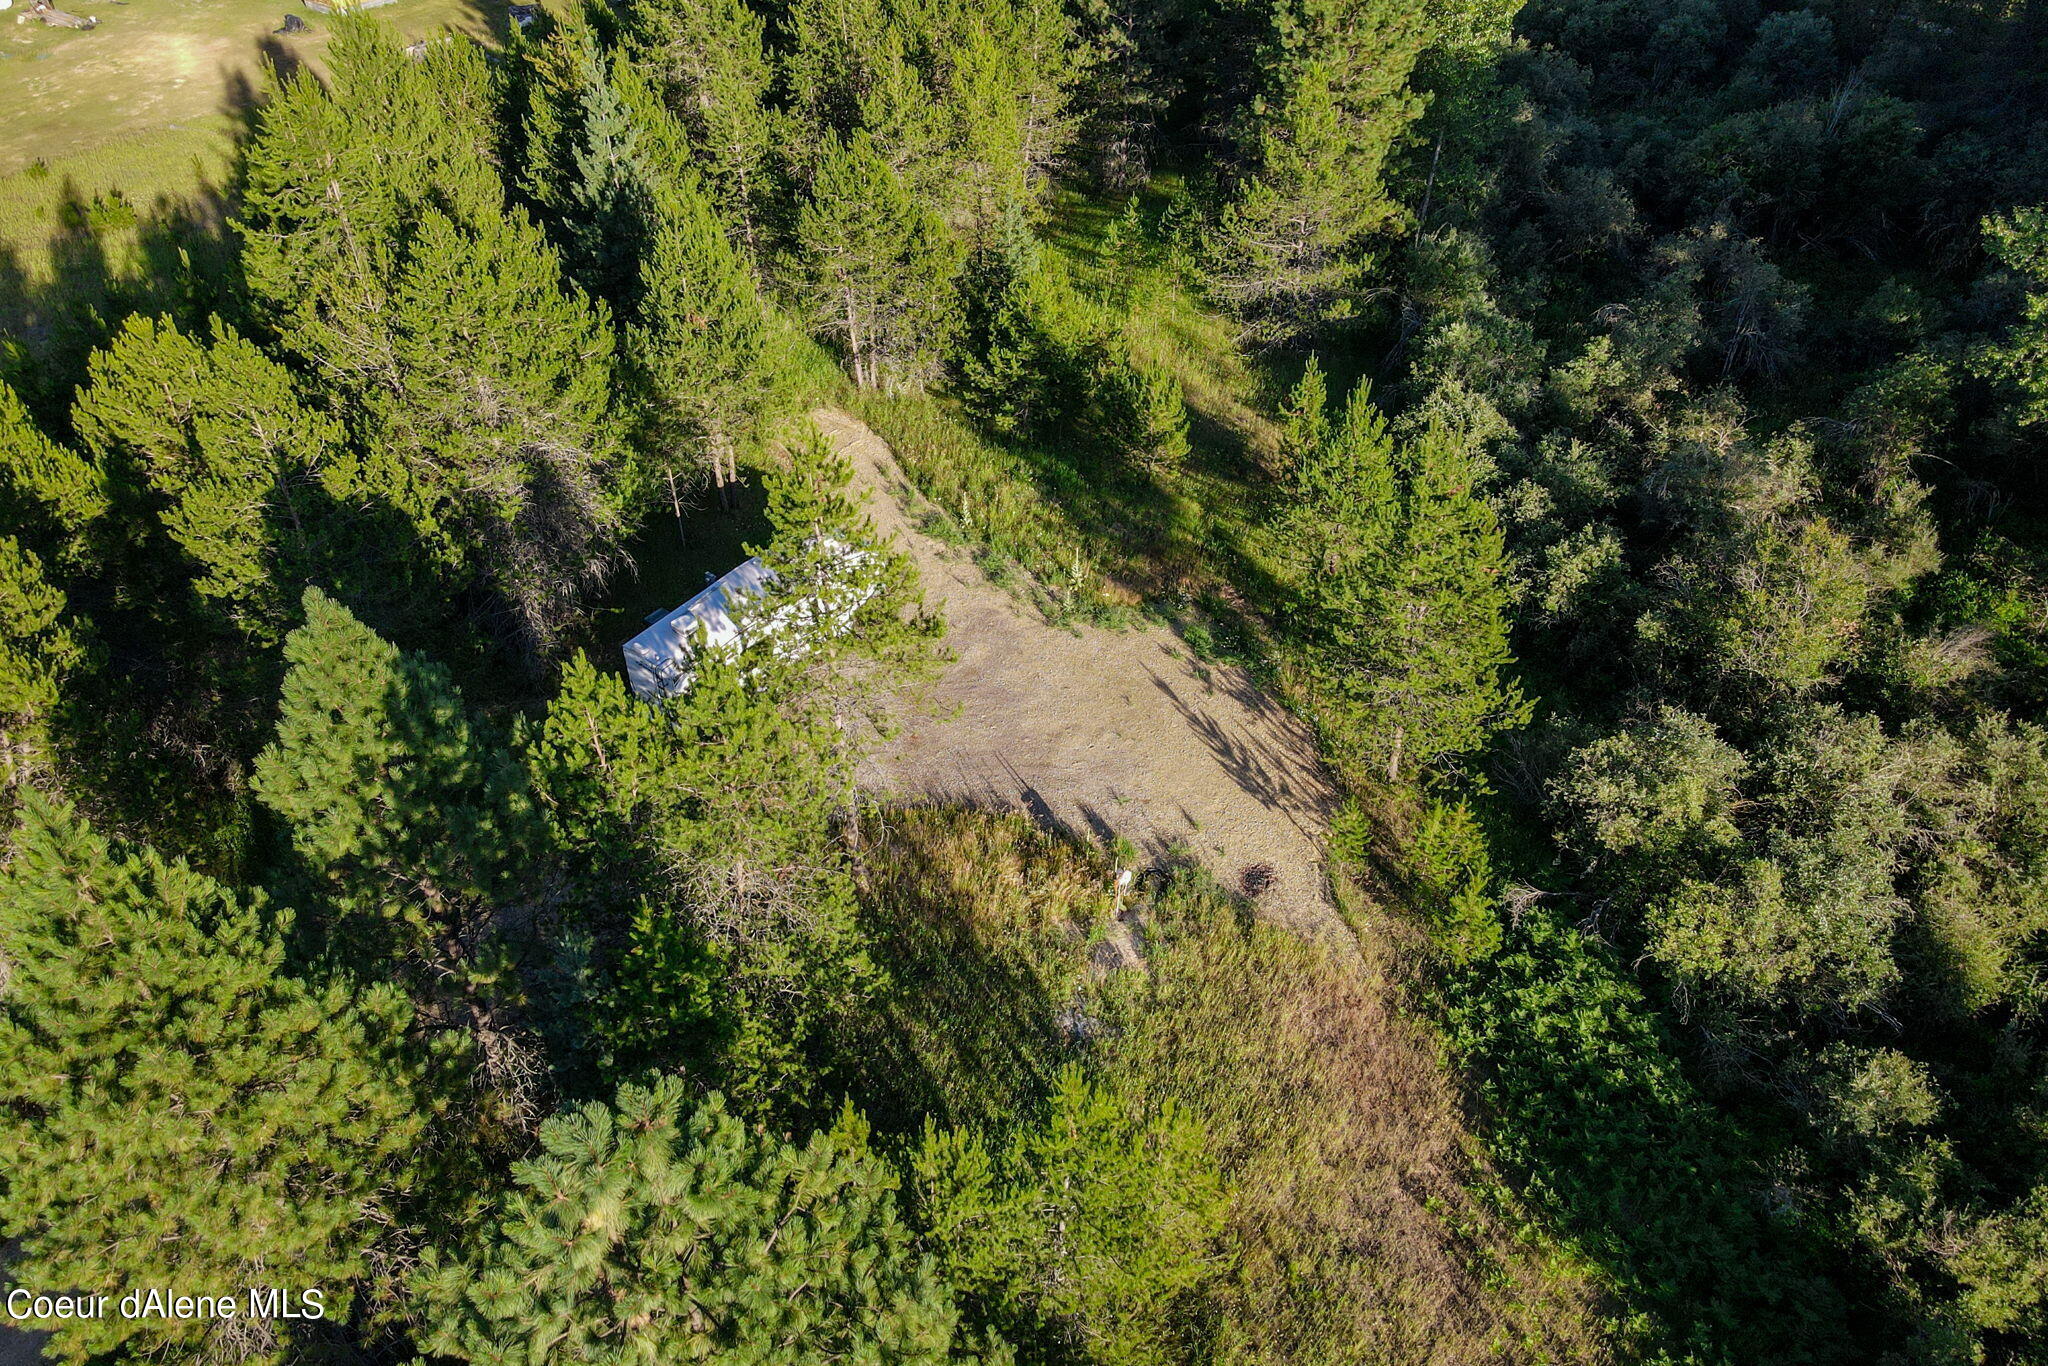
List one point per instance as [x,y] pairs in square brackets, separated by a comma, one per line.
[1104,733]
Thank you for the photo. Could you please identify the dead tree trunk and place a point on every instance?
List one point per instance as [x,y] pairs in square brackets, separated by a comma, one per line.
[57,18]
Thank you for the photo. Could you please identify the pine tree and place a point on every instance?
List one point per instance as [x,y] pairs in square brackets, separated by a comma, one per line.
[712,811]
[833,47]
[709,60]
[993,176]
[38,648]
[1403,564]
[47,491]
[251,483]
[1341,532]
[502,389]
[409,819]
[1084,1229]
[1305,421]
[1287,253]
[877,266]
[586,168]
[1021,356]
[850,598]
[340,172]
[379,247]
[1139,409]
[1050,62]
[180,1111]
[702,342]
[649,1230]
[1442,694]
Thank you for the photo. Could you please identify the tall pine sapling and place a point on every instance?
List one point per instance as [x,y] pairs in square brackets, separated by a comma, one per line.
[701,342]
[410,820]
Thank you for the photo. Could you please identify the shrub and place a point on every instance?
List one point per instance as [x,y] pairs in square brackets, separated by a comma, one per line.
[1452,875]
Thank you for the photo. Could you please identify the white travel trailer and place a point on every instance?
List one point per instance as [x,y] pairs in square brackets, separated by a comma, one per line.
[659,659]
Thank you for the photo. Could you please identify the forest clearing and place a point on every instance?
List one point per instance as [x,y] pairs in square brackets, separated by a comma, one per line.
[1314,681]
[1104,735]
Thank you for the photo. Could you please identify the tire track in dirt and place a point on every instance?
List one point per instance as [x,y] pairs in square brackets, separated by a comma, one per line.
[1104,733]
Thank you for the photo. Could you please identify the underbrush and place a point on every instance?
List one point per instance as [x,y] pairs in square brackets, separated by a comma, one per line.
[982,924]
[1361,1227]
[1009,511]
[1087,535]
[1593,1115]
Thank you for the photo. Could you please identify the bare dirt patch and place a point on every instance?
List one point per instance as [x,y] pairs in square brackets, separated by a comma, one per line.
[1103,733]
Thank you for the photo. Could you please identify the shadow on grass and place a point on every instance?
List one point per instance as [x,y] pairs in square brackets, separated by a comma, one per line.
[56,311]
[980,925]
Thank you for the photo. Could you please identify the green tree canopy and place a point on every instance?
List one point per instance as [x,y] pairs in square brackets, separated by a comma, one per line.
[180,1110]
[1090,1227]
[657,1230]
[1404,565]
[407,815]
[877,265]
[249,481]
[38,648]
[1289,251]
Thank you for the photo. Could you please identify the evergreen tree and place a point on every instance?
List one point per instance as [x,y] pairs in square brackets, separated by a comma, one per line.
[1442,694]
[379,247]
[1088,1229]
[339,174]
[1403,563]
[1287,253]
[251,483]
[38,648]
[709,61]
[651,1231]
[849,597]
[180,1111]
[47,491]
[587,172]
[833,50]
[702,342]
[407,817]
[1022,353]
[502,387]
[710,814]
[1305,420]
[1139,409]
[876,265]
[1050,63]
[992,176]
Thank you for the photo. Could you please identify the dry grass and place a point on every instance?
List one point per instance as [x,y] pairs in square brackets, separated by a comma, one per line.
[1365,1229]
[1362,1235]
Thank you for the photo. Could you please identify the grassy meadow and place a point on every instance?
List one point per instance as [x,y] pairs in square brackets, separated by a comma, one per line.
[1366,1219]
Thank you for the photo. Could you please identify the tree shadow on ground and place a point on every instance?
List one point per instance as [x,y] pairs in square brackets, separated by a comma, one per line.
[104,260]
[978,1013]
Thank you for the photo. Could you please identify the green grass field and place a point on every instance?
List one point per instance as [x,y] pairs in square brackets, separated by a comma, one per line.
[138,117]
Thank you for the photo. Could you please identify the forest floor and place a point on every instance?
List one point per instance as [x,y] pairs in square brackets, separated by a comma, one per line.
[1105,734]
